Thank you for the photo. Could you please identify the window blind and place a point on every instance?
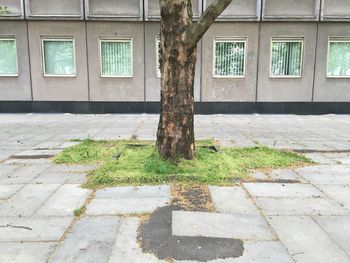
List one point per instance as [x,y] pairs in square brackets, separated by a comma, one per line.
[286,58]
[8,57]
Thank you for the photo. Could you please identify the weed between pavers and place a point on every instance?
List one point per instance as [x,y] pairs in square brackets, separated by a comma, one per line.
[139,163]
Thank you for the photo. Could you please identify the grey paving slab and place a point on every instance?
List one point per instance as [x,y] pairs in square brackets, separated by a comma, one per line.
[28,161]
[134,192]
[282,190]
[7,190]
[24,174]
[320,158]
[64,201]
[90,241]
[300,206]
[340,193]
[285,174]
[37,153]
[239,226]
[126,247]
[27,200]
[306,240]
[257,251]
[19,252]
[341,178]
[57,168]
[59,178]
[6,169]
[338,228]
[125,206]
[324,169]
[232,200]
[33,229]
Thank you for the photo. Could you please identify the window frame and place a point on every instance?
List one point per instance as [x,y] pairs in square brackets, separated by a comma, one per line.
[336,39]
[58,39]
[158,71]
[230,40]
[11,38]
[288,40]
[116,40]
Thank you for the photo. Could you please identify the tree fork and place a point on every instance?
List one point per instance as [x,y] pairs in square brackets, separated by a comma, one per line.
[179,37]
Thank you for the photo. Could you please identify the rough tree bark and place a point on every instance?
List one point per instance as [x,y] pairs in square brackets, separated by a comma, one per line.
[179,37]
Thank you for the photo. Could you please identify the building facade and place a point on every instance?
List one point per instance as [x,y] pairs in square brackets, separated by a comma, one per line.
[99,56]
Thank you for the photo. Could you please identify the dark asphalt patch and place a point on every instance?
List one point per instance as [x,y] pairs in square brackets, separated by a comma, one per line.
[155,234]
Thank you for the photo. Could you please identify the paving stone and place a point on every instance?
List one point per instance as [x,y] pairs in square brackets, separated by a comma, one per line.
[257,251]
[285,174]
[25,174]
[33,229]
[59,168]
[59,178]
[324,169]
[337,227]
[259,175]
[328,178]
[306,241]
[232,200]
[124,206]
[37,153]
[91,240]
[126,246]
[246,227]
[48,145]
[7,190]
[320,158]
[300,206]
[6,169]
[28,161]
[19,252]
[281,190]
[340,193]
[64,201]
[27,200]
[134,192]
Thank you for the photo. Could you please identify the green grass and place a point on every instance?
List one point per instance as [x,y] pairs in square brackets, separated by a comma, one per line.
[137,163]
[80,211]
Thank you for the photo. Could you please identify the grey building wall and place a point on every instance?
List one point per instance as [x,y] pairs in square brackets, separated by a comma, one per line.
[120,88]
[58,88]
[257,20]
[53,9]
[329,89]
[15,7]
[230,89]
[281,88]
[17,87]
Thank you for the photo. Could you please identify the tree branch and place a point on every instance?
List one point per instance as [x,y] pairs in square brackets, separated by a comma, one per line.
[197,30]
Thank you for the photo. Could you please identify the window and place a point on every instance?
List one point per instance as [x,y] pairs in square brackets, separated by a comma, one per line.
[338,58]
[229,58]
[286,58]
[158,57]
[8,57]
[58,57]
[116,57]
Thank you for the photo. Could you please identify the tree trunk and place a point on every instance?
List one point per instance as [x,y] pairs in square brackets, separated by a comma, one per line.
[175,137]
[179,38]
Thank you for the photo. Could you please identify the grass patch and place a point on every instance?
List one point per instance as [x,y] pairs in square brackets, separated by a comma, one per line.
[137,163]
[80,211]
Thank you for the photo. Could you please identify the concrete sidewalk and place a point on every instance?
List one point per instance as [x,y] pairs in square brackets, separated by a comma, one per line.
[289,215]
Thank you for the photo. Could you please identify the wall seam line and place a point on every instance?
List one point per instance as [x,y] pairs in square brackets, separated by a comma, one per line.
[315,63]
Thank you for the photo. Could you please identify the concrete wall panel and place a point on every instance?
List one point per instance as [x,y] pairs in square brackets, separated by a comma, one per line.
[230,89]
[116,89]
[239,10]
[16,88]
[53,9]
[152,81]
[114,10]
[335,10]
[15,8]
[330,89]
[286,89]
[58,88]
[291,10]
[152,11]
